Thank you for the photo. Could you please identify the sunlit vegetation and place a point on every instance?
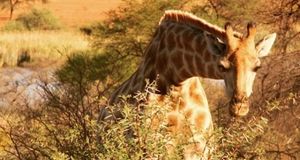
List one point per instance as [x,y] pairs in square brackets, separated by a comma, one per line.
[66,124]
[17,47]
[35,36]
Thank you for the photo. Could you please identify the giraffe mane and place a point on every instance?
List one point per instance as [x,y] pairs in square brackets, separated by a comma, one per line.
[190,19]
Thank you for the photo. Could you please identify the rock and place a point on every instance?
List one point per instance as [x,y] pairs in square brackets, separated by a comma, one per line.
[19,86]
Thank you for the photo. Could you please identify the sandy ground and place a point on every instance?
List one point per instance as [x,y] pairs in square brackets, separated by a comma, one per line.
[72,13]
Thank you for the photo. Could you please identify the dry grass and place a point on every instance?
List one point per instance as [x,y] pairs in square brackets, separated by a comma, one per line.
[38,45]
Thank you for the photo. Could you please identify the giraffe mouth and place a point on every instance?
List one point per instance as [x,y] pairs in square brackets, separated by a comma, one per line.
[239,109]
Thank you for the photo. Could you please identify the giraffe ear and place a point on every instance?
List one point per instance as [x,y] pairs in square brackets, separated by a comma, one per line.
[264,46]
[214,44]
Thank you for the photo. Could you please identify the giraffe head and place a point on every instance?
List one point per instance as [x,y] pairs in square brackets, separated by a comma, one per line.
[239,64]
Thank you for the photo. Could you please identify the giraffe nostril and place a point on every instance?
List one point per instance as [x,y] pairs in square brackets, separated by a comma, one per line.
[239,99]
[239,105]
[239,109]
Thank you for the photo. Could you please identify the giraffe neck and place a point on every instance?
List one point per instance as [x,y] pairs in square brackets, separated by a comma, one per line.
[177,52]
[181,53]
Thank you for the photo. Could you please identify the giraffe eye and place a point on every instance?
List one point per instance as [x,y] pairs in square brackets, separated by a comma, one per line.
[222,68]
[255,69]
[224,65]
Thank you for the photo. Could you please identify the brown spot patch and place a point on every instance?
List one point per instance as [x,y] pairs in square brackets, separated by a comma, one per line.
[160,98]
[214,57]
[137,86]
[181,104]
[161,63]
[169,75]
[124,89]
[178,29]
[173,122]
[150,61]
[193,84]
[210,70]
[188,40]
[200,120]
[189,60]
[177,59]
[160,32]
[151,75]
[135,76]
[114,96]
[217,73]
[170,26]
[151,52]
[200,67]
[179,42]
[199,46]
[156,33]
[184,74]
[162,44]
[188,112]
[195,96]
[194,64]
[207,56]
[161,87]
[171,42]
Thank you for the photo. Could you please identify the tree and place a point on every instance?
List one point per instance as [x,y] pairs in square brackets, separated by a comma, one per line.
[125,35]
[280,16]
[12,4]
[284,17]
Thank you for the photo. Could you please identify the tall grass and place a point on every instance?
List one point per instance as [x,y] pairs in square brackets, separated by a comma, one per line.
[38,46]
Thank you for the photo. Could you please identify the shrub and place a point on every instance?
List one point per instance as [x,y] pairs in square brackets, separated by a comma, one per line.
[66,126]
[36,19]
[39,19]
[14,26]
[89,65]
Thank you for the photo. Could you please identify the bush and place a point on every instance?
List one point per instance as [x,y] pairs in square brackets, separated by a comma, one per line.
[36,19]
[66,125]
[14,26]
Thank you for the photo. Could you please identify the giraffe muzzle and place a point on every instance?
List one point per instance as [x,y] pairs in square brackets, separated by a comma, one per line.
[239,107]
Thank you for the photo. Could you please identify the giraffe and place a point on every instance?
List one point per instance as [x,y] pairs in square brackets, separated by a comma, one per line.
[185,48]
